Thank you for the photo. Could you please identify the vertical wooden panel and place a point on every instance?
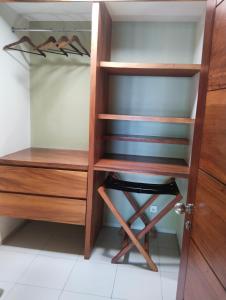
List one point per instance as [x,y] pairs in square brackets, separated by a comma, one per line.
[100,50]
[209,223]
[205,277]
[201,282]
[213,153]
[217,76]
[196,146]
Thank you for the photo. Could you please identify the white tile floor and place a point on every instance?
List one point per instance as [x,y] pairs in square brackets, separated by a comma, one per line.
[43,261]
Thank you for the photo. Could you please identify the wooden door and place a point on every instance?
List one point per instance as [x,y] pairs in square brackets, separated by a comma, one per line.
[206,271]
[206,263]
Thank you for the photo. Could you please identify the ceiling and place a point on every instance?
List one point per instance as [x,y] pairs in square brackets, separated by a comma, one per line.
[120,11]
[157,11]
[68,11]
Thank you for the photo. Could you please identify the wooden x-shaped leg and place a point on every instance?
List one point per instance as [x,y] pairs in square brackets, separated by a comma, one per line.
[132,236]
[152,223]
[140,213]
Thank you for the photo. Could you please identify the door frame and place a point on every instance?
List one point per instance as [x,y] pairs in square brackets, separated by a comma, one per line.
[196,146]
[198,127]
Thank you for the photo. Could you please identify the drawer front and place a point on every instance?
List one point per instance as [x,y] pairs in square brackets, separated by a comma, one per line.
[40,181]
[62,210]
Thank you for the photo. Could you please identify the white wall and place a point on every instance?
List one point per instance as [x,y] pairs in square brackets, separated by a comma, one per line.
[14,99]
[60,92]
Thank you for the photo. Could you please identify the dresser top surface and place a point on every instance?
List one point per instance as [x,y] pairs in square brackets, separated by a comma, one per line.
[48,158]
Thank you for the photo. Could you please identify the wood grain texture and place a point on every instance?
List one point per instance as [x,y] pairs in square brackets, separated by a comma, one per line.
[177,70]
[217,76]
[143,165]
[201,282]
[54,209]
[40,181]
[146,139]
[100,50]
[213,151]
[209,224]
[173,120]
[48,158]
[197,138]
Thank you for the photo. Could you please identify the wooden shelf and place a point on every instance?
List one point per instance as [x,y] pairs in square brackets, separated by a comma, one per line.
[142,69]
[146,139]
[143,164]
[48,158]
[145,119]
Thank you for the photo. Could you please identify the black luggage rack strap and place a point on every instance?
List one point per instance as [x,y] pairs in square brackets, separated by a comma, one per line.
[170,188]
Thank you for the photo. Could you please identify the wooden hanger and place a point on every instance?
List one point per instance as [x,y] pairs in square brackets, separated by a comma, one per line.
[49,45]
[76,39]
[24,39]
[65,41]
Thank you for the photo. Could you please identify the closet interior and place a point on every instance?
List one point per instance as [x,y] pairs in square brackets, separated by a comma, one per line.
[108,87]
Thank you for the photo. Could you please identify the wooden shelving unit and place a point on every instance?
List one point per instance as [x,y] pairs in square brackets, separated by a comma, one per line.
[143,164]
[173,120]
[99,162]
[146,139]
[143,69]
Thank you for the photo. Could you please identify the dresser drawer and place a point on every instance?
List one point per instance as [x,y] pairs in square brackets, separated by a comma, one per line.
[41,181]
[55,209]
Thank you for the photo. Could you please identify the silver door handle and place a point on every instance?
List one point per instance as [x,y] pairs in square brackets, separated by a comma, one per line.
[181,208]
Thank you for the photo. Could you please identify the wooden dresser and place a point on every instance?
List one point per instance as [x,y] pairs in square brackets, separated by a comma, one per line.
[44,184]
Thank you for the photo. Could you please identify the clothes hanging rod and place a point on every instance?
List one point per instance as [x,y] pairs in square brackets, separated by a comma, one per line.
[48,30]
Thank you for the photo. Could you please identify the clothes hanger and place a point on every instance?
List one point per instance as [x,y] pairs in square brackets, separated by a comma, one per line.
[76,39]
[65,41]
[24,39]
[48,46]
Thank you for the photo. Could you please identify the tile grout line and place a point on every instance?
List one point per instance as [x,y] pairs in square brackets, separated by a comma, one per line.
[116,271]
[9,291]
[90,294]
[66,281]
[37,286]
[21,275]
[26,269]
[160,273]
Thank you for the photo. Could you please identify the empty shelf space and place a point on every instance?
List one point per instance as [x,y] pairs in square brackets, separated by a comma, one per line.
[146,139]
[143,69]
[48,158]
[174,120]
[143,164]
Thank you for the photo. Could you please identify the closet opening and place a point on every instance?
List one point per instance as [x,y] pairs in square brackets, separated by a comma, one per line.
[92,90]
[45,51]
[57,81]
[145,114]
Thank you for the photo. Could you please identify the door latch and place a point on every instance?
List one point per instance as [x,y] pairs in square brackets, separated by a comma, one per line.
[181,208]
[188,225]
